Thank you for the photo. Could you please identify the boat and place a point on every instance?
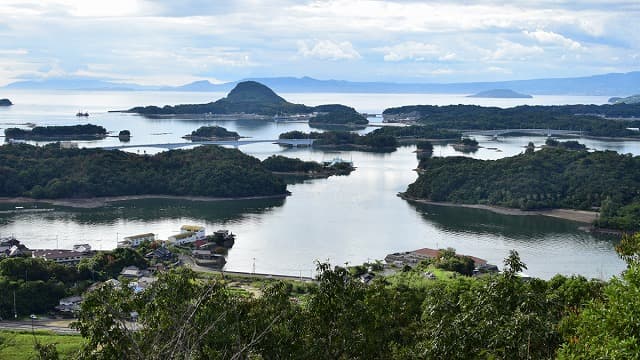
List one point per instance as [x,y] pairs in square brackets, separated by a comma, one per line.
[82,114]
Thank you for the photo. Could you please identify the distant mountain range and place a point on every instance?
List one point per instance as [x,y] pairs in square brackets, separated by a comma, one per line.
[615,84]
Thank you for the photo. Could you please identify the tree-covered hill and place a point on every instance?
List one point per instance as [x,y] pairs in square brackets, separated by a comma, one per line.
[549,178]
[251,97]
[346,140]
[589,119]
[337,115]
[212,132]
[247,97]
[5,102]
[51,172]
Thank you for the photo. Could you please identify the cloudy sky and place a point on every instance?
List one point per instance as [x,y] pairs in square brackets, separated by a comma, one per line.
[172,42]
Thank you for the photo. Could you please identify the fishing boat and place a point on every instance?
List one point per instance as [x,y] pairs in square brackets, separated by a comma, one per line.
[82,114]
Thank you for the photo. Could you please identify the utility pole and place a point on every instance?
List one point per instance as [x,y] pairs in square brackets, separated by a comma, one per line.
[15,312]
[254,266]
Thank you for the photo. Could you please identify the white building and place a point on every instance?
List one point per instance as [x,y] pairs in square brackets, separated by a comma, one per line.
[136,240]
[188,234]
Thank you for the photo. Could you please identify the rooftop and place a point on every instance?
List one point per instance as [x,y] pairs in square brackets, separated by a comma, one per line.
[192,228]
[141,236]
[57,253]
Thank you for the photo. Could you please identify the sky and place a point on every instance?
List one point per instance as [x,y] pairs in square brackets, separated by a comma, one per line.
[169,42]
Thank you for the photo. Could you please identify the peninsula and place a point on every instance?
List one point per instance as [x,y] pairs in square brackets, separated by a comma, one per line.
[500,94]
[551,178]
[205,171]
[591,120]
[5,102]
[250,99]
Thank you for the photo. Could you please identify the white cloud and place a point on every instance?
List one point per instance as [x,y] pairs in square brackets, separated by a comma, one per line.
[14,51]
[328,50]
[253,38]
[549,37]
[410,50]
[512,51]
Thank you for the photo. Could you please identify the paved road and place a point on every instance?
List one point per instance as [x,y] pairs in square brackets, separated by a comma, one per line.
[188,261]
[38,325]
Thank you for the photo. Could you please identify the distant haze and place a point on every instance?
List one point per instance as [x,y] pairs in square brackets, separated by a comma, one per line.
[607,85]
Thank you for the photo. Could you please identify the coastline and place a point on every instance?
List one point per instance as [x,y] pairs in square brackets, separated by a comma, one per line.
[92,203]
[581,216]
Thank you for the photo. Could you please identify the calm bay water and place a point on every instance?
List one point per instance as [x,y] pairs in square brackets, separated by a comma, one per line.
[340,219]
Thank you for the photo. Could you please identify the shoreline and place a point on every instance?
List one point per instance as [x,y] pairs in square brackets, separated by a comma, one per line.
[92,203]
[581,216]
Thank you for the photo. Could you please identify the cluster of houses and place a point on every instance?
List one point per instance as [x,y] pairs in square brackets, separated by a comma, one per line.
[63,256]
[205,250]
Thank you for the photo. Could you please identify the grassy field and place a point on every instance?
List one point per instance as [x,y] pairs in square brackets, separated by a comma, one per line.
[20,345]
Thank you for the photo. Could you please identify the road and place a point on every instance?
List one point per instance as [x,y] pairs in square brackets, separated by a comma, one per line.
[188,261]
[55,326]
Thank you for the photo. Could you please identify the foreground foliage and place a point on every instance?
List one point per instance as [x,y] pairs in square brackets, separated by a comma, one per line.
[181,316]
[51,172]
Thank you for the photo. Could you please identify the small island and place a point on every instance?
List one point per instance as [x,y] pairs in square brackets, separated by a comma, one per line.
[281,165]
[337,115]
[212,133]
[466,145]
[124,135]
[348,141]
[567,145]
[53,133]
[5,102]
[500,94]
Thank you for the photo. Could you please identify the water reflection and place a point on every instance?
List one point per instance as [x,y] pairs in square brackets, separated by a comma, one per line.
[150,210]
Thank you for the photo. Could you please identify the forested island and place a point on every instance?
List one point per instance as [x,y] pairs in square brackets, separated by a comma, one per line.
[212,133]
[248,97]
[288,166]
[5,102]
[71,132]
[337,115]
[501,94]
[550,178]
[344,140]
[466,145]
[251,97]
[210,171]
[418,132]
[589,119]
